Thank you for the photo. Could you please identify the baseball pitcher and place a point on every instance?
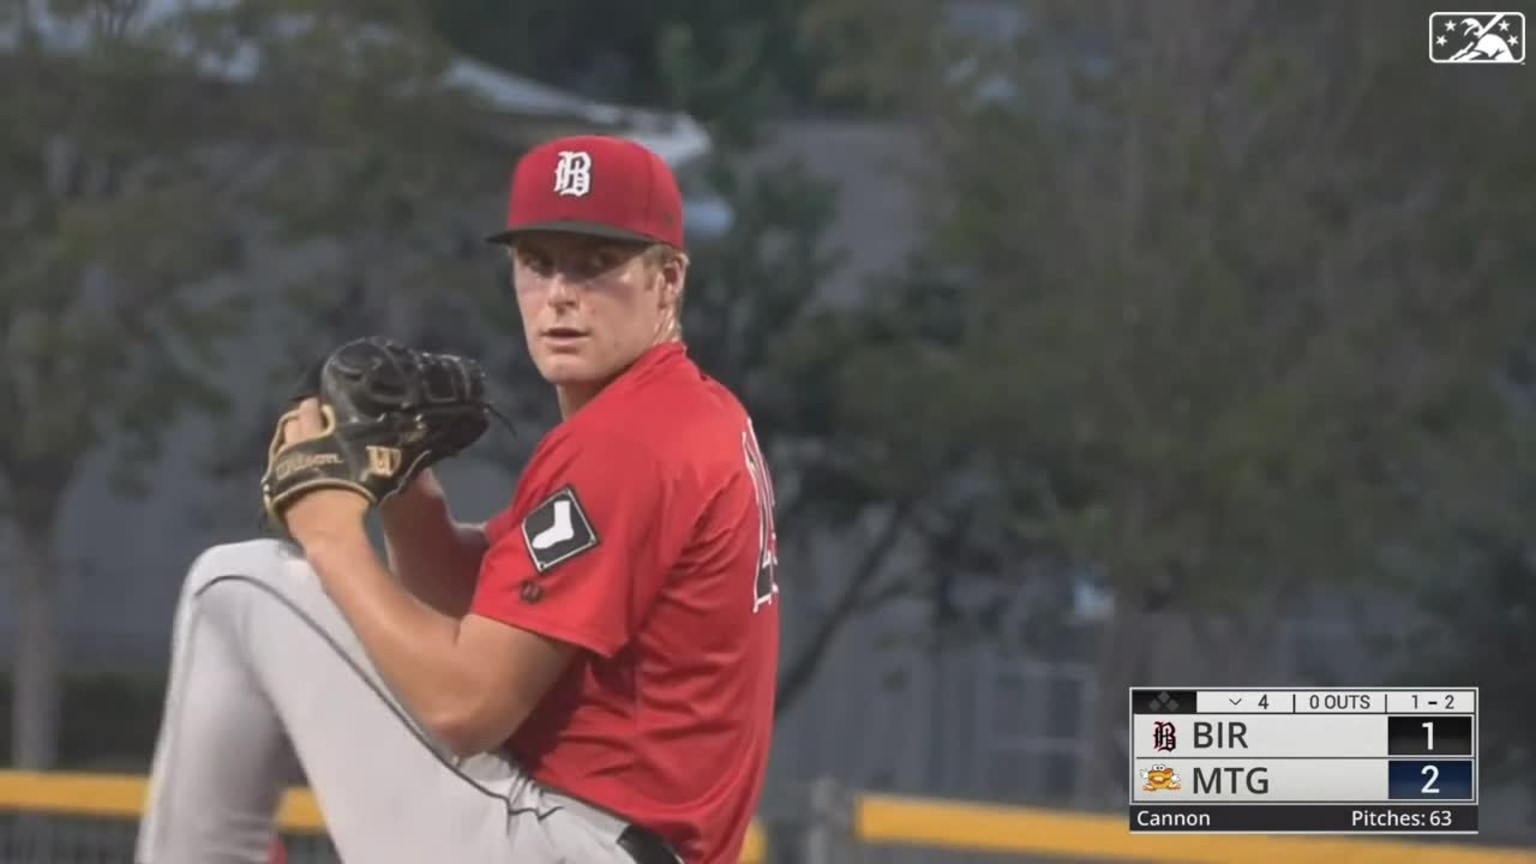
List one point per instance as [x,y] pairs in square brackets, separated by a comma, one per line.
[588,677]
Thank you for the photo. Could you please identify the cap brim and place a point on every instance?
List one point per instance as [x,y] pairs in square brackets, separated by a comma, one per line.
[590,229]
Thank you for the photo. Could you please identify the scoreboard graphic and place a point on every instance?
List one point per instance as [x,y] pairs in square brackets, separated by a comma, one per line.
[1331,761]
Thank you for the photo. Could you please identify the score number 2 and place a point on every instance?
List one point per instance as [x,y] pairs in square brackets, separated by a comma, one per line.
[1433,774]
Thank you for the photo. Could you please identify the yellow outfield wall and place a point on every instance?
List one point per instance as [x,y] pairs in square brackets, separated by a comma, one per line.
[119,796]
[879,820]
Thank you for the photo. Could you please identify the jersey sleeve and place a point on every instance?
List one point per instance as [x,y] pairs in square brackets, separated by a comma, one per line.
[585,563]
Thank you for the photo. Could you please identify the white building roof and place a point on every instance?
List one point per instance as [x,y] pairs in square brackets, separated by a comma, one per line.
[676,137]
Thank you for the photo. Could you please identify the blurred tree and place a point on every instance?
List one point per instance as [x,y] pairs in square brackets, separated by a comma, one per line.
[149,160]
[1477,606]
[1218,278]
[1479,633]
[621,51]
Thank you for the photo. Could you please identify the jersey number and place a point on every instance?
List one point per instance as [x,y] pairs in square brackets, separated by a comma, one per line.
[766,583]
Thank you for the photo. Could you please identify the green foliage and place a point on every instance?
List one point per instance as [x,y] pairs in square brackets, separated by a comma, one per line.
[630,53]
[157,212]
[113,232]
[1474,607]
[132,203]
[1208,286]
[377,184]
[1480,633]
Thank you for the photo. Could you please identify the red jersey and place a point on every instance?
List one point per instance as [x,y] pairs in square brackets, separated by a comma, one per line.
[642,531]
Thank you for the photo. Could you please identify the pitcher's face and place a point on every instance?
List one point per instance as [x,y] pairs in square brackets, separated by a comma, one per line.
[591,306]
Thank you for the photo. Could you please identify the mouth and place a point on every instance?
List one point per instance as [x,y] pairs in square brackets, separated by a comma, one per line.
[563,340]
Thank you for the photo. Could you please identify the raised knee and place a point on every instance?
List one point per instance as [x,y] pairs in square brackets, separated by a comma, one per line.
[259,559]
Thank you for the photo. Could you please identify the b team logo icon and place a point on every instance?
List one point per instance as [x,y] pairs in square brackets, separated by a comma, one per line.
[573,173]
[1477,37]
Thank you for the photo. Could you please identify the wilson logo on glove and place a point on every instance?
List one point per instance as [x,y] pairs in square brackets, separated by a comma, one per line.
[297,462]
[384,461]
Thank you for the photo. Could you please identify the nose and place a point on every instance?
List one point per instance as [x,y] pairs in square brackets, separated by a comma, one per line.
[561,292]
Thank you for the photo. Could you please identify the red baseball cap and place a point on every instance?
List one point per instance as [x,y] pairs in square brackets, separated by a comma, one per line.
[598,185]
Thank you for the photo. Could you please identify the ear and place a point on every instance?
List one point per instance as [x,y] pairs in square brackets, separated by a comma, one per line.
[674,275]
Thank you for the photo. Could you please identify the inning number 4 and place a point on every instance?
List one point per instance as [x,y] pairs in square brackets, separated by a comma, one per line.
[766,584]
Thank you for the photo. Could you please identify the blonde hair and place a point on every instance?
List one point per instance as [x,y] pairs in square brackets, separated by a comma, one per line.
[659,255]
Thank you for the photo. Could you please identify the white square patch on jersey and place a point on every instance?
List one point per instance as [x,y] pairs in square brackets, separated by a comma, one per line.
[558,530]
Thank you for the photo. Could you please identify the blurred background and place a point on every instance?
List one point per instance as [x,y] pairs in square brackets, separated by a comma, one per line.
[1092,344]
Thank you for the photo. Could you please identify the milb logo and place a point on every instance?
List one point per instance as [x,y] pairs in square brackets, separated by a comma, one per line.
[1477,37]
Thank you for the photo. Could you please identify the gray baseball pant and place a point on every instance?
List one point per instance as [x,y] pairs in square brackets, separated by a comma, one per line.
[267,676]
